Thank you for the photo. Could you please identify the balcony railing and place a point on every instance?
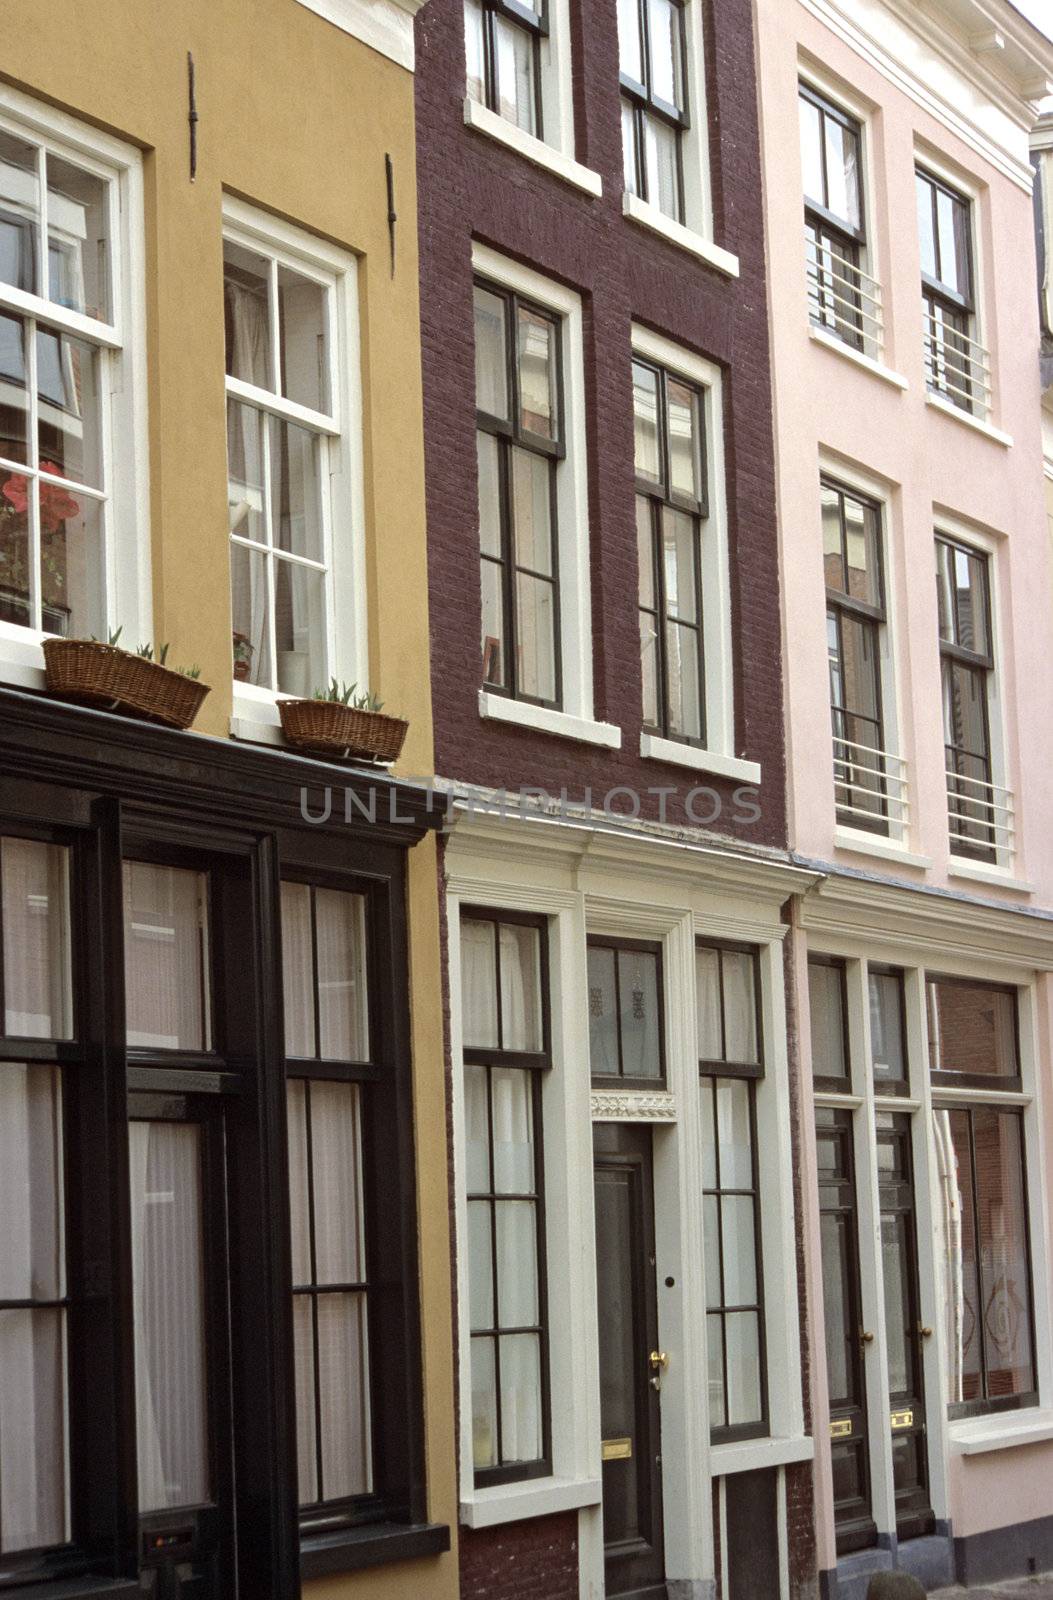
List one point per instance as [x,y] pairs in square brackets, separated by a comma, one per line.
[957,367]
[980,818]
[844,299]
[870,788]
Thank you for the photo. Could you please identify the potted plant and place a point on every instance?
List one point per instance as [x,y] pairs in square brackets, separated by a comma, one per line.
[243,653]
[340,721]
[130,681]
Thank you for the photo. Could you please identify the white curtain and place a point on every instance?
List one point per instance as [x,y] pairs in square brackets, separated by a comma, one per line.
[297,970]
[166,957]
[478,984]
[512,1113]
[520,988]
[740,1009]
[249,338]
[37,982]
[342,1011]
[520,1398]
[707,992]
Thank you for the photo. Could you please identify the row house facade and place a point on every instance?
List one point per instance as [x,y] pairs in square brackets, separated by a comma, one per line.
[225,1324]
[916,570]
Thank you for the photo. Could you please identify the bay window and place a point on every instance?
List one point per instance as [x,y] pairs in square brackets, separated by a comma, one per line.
[652,57]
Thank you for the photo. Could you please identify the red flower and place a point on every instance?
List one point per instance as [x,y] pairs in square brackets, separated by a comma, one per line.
[57,505]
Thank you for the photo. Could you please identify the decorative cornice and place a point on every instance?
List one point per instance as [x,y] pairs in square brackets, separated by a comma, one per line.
[633,1105]
[383,25]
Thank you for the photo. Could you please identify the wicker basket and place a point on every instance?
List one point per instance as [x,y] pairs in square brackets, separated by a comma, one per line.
[328,728]
[116,680]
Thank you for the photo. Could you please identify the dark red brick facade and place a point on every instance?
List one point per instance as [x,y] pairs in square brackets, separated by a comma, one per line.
[535,1560]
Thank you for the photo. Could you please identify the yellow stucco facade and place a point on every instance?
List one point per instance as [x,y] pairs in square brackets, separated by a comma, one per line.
[296,117]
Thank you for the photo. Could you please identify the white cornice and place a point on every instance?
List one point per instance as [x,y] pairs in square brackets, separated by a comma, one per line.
[383,25]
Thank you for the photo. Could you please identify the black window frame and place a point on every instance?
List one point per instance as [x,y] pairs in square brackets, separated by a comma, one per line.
[536,28]
[979,666]
[891,1087]
[825,1083]
[833,233]
[946,1078]
[536,1064]
[644,103]
[946,309]
[660,495]
[651,947]
[511,435]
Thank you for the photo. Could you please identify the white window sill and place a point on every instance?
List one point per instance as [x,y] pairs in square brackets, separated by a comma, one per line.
[652,748]
[21,658]
[649,216]
[938,403]
[536,150]
[994,877]
[978,1436]
[751,1455]
[868,844]
[255,715]
[537,1497]
[877,369]
[499,708]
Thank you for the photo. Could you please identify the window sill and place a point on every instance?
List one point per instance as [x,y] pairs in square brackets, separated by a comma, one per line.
[649,216]
[483,120]
[877,369]
[754,1454]
[21,656]
[994,877]
[652,748]
[537,1497]
[995,434]
[981,1435]
[373,1545]
[498,708]
[866,844]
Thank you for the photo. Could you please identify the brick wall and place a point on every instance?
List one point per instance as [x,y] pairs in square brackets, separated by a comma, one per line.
[535,1560]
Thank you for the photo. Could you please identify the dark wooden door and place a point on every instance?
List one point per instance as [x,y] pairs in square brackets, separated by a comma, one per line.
[630,1368]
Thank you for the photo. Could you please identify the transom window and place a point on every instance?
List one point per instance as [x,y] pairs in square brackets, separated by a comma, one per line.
[841,298]
[955,365]
[976,816]
[626,1035]
[503,42]
[519,423]
[653,72]
[671,503]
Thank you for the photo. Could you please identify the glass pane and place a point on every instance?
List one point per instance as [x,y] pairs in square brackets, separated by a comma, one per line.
[926,226]
[491,358]
[487,450]
[742,1333]
[33,1491]
[972,1028]
[245,495]
[306,1433]
[343,1386]
[826,1004]
[67,420]
[649,669]
[512,1110]
[887,1045]
[166,957]
[494,662]
[862,543]
[31,1186]
[1005,1274]
[833,551]
[302,310]
[895,1267]
[740,1007]
[532,485]
[708,1007]
[514,71]
[480,1264]
[603,1013]
[663,23]
[685,697]
[645,551]
[645,411]
[169,1300]
[630,154]
[299,1180]
[683,422]
[78,239]
[298,970]
[536,643]
[842,167]
[517,1265]
[250,616]
[336,1163]
[72,563]
[246,305]
[538,382]
[475,50]
[970,581]
[662,166]
[734,1133]
[477,1130]
[709,1135]
[945,590]
[740,1250]
[19,215]
[711,1248]
[521,1021]
[812,151]
[835,1302]
[640,1029]
[14,407]
[299,629]
[484,1404]
[680,552]
[630,56]
[343,1008]
[520,1397]
[859,669]
[963,1310]
[952,220]
[38,983]
[715,1372]
[14,551]
[478,983]
[296,513]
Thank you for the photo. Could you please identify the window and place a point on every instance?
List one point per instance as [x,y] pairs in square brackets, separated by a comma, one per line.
[66,389]
[828,1008]
[506,1053]
[840,296]
[955,365]
[290,458]
[519,421]
[671,505]
[626,1038]
[983,1197]
[855,616]
[976,816]
[730,1066]
[653,71]
[503,40]
[888,1030]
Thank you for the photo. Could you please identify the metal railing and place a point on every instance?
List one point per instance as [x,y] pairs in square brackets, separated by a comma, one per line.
[980,817]
[957,367]
[870,788]
[843,299]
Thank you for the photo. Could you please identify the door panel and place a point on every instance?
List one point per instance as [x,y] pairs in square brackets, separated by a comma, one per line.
[630,1381]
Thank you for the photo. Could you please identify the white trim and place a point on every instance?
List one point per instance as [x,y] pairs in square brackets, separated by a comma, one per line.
[995,877]
[996,435]
[384,25]
[653,748]
[488,122]
[694,141]
[543,719]
[877,369]
[752,1455]
[871,845]
[537,1497]
[649,216]
[1003,1431]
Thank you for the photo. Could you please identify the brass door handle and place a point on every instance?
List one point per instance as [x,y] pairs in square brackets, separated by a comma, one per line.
[866,1338]
[659,1360]
[924,1333]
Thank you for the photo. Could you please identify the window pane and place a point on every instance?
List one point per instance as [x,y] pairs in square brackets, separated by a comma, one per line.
[645,410]
[862,543]
[680,551]
[536,622]
[715,1373]
[68,420]
[537,374]
[630,154]
[31,1184]
[296,507]
[683,423]
[711,1249]
[825,1000]
[740,1007]
[491,360]
[742,1332]
[638,990]
[520,1397]
[343,1012]
[250,615]
[886,1027]
[245,472]
[514,69]
[78,239]
[302,307]
[299,1180]
[494,663]
[517,1264]
[512,1110]
[945,590]
[811,151]
[521,1023]
[926,228]
[33,1509]
[645,551]
[649,670]
[19,214]
[739,1248]
[734,1133]
[970,599]
[336,1162]
[72,562]
[475,50]
[833,550]
[1005,1276]
[532,510]
[38,984]
[480,1264]
[246,304]
[298,970]
[603,1013]
[685,699]
[166,957]
[842,166]
[972,1028]
[662,165]
[299,629]
[306,1432]
[835,1247]
[666,52]
[14,400]
[478,983]
[343,1384]
[17,492]
[859,677]
[477,1130]
[952,220]
[484,1404]
[707,994]
[630,58]
[487,450]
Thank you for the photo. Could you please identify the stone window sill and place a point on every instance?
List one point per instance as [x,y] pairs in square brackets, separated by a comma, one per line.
[483,120]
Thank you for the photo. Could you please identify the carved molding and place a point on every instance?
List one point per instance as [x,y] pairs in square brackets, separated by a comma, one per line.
[633,1105]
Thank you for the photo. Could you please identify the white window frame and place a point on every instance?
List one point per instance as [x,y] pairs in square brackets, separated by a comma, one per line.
[575,719]
[255,709]
[122,391]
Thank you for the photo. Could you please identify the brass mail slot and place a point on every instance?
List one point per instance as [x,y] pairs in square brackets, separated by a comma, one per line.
[841,1428]
[617,1449]
[902,1419]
